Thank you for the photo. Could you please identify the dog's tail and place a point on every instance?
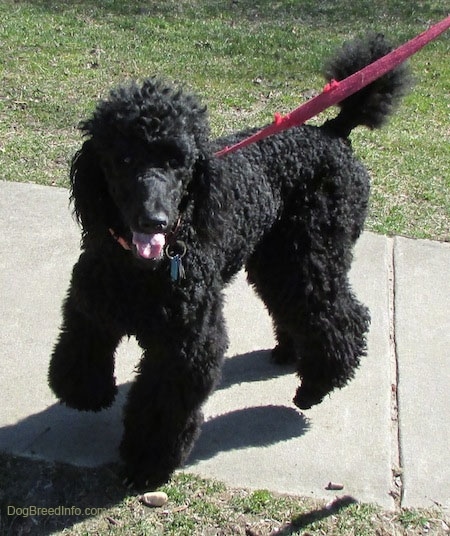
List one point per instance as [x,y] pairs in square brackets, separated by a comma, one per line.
[372,105]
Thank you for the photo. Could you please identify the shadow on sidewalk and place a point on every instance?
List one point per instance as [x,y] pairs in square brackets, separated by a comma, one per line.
[259,426]
[251,367]
[91,439]
[81,449]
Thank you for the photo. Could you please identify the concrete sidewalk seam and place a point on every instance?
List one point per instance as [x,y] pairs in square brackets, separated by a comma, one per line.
[396,491]
[422,322]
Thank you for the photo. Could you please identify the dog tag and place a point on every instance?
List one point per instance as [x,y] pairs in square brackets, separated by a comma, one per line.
[176,268]
[175,252]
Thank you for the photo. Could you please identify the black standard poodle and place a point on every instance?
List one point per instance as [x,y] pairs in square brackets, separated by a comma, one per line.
[166,225]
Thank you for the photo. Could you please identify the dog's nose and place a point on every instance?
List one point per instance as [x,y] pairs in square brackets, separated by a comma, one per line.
[153,223]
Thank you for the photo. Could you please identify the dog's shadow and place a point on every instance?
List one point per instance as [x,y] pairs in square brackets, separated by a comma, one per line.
[258,426]
[251,367]
[252,426]
[90,439]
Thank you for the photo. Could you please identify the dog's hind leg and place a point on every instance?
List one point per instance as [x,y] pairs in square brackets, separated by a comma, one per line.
[81,372]
[331,344]
[318,321]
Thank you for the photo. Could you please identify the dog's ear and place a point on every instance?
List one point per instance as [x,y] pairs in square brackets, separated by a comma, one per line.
[210,199]
[89,191]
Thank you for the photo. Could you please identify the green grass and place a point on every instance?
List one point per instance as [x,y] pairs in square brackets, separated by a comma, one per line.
[247,59]
[196,507]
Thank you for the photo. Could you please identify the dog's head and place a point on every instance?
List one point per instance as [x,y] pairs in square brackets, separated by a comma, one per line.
[147,155]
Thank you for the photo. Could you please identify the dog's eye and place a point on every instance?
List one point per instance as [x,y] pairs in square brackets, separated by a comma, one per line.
[166,155]
[126,160]
[175,163]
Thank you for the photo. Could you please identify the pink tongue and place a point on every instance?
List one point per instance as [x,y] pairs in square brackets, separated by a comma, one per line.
[149,246]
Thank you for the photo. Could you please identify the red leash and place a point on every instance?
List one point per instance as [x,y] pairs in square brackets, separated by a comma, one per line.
[335,92]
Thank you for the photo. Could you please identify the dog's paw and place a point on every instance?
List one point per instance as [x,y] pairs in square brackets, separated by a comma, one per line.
[91,403]
[141,482]
[86,385]
[86,397]
[309,395]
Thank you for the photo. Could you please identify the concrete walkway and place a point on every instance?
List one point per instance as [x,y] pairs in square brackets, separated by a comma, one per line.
[395,414]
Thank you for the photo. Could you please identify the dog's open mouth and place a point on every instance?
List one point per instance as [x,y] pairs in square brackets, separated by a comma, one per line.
[149,246]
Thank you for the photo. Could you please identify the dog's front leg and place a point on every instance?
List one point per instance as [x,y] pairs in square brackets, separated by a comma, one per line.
[179,369]
[81,371]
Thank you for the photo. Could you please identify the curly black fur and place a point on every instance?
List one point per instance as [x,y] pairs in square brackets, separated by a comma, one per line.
[372,105]
[288,208]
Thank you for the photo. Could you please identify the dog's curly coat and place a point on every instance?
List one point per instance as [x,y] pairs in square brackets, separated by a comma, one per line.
[288,208]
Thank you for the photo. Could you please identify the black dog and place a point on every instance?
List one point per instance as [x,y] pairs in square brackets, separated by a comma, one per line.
[166,225]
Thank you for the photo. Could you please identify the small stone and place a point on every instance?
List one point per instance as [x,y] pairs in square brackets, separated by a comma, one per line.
[154,498]
[334,486]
